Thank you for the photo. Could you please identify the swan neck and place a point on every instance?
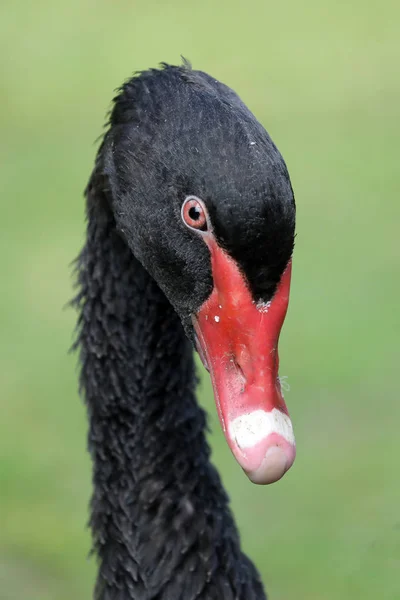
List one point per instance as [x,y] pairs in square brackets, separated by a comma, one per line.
[157,502]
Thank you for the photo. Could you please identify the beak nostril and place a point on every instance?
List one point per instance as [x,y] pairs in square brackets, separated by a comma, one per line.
[239,368]
[244,362]
[239,373]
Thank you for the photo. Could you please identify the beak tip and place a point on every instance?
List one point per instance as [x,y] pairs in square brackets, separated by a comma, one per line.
[272,468]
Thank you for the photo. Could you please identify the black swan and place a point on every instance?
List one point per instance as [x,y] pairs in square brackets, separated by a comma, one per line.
[190,234]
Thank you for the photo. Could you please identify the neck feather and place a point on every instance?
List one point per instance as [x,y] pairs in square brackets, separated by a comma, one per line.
[160,519]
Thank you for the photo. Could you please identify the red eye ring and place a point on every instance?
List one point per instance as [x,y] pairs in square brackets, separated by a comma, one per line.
[194,214]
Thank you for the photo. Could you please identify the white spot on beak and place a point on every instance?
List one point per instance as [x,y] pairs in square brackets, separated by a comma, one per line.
[250,429]
[216,318]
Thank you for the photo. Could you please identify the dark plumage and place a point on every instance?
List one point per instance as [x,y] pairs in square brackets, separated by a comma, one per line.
[160,518]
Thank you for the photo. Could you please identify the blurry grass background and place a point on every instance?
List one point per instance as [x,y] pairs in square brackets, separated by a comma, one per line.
[324,79]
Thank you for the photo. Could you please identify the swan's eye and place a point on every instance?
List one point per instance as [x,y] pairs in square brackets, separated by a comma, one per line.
[194,213]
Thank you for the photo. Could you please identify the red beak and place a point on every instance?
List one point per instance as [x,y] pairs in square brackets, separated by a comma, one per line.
[238,343]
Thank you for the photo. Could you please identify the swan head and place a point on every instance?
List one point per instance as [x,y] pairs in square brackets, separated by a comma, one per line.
[204,200]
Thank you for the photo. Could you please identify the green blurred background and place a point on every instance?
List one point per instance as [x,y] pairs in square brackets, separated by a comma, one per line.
[324,78]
